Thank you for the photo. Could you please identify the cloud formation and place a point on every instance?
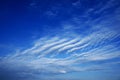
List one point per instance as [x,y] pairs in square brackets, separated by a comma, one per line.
[76,48]
[61,55]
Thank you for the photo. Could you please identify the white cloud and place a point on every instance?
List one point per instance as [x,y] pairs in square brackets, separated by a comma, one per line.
[48,45]
[69,45]
[97,46]
[61,45]
[63,71]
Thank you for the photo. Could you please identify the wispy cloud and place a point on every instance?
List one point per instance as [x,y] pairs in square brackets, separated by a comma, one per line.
[63,54]
[37,59]
[78,49]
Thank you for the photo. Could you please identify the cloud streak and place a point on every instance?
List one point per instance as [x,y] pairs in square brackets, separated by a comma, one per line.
[73,49]
[78,49]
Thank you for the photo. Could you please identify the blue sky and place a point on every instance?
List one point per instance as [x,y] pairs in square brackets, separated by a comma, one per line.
[59,39]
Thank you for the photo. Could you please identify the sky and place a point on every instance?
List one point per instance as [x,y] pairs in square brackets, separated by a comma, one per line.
[59,39]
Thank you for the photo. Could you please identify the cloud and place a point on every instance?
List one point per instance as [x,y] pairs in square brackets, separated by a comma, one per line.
[82,50]
[70,50]
[37,59]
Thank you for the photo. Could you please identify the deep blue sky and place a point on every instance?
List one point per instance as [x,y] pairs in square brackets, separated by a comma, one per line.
[59,39]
